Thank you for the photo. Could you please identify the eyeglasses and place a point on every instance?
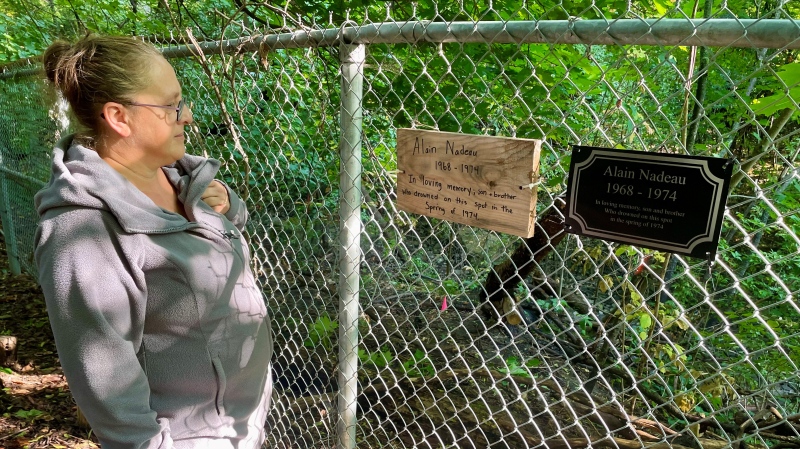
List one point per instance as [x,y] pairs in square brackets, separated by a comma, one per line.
[178,109]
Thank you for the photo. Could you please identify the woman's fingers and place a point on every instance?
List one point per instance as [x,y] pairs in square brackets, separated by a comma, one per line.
[216,196]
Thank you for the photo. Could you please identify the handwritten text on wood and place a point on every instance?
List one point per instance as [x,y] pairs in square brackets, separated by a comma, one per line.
[480,181]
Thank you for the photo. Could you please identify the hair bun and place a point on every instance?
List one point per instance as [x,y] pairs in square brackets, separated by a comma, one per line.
[98,69]
[53,60]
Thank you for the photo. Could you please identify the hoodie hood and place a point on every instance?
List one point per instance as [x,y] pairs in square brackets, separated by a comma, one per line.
[80,178]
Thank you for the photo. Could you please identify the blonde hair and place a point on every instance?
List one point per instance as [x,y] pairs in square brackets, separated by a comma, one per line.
[98,69]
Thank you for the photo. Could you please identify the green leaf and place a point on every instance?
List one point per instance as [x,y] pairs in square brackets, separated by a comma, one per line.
[514,368]
[533,363]
[790,76]
[322,332]
[662,6]
[645,321]
[778,102]
[28,415]
[379,359]
[625,249]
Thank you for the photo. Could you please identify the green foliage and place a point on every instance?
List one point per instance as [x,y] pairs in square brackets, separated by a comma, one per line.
[378,359]
[452,287]
[554,304]
[789,97]
[585,324]
[515,368]
[29,415]
[323,332]
[418,365]
[284,105]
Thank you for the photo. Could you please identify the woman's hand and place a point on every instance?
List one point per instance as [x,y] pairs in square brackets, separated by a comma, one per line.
[216,196]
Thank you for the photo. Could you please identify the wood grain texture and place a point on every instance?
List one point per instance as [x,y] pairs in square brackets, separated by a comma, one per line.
[481,181]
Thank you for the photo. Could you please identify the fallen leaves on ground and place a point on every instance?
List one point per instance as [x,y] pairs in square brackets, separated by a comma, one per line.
[36,408]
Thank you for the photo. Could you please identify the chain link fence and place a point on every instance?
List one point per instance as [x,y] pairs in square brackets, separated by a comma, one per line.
[396,330]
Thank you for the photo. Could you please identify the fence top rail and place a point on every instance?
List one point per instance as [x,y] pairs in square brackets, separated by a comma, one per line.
[745,33]
[741,33]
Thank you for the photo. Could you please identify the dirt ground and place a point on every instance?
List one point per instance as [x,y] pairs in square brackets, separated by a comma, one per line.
[36,408]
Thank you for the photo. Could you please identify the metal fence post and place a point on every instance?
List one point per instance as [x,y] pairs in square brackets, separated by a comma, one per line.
[7,218]
[352,59]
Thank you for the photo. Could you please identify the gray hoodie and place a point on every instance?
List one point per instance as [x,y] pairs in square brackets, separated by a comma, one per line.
[161,330]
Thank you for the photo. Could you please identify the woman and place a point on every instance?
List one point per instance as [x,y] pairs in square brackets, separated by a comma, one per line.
[161,330]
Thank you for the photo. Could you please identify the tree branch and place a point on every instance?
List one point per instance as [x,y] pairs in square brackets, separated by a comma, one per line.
[772,133]
[191,17]
[204,63]
[252,15]
[505,277]
[700,93]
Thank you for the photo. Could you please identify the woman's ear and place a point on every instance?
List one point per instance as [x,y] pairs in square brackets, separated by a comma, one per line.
[116,118]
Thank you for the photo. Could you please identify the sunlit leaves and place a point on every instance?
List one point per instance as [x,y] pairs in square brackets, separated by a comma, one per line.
[789,75]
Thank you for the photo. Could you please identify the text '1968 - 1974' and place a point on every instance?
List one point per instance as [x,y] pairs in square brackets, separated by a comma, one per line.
[475,180]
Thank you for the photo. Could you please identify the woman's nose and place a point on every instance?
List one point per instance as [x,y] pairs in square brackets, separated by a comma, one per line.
[187,118]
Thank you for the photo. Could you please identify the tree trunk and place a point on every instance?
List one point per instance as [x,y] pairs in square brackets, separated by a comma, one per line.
[8,350]
[504,278]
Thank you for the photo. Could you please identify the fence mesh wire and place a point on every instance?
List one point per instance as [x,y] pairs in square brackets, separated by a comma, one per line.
[599,343]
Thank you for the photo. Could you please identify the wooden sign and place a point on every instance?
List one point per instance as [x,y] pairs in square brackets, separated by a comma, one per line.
[480,181]
[667,202]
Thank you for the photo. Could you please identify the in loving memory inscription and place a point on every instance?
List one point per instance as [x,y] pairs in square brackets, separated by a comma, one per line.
[482,181]
[661,201]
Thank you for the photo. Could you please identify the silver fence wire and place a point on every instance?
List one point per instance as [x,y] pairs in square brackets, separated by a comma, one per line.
[25,134]
[397,330]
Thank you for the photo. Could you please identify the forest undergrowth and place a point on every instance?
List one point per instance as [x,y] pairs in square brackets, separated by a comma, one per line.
[36,408]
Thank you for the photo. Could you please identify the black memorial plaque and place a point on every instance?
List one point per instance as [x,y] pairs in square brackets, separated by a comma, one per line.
[667,202]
